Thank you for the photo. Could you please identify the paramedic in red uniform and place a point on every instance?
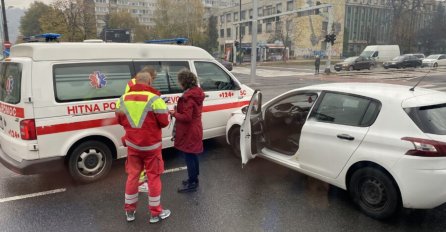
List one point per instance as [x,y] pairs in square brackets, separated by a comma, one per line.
[143,114]
[143,187]
[188,130]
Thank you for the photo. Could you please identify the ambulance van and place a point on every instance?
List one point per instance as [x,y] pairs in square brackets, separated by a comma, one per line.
[57,101]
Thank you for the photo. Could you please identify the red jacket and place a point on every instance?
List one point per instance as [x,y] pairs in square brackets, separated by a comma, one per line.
[188,126]
[141,140]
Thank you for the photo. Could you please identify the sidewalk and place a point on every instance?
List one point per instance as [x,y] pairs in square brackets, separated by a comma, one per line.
[290,62]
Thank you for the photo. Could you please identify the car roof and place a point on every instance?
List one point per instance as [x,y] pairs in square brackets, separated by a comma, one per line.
[380,91]
[104,51]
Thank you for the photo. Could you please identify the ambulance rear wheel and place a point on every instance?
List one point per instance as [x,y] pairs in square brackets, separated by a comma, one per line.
[90,161]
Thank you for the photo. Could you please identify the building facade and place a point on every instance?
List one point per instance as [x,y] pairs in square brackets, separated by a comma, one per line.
[357,24]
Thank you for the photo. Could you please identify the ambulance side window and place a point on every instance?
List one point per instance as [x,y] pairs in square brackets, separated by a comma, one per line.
[167,71]
[213,78]
[10,82]
[87,81]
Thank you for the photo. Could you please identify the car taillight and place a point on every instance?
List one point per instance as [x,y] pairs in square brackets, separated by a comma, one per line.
[426,147]
[28,129]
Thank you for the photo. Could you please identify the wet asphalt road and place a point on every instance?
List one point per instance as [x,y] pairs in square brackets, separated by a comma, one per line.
[262,196]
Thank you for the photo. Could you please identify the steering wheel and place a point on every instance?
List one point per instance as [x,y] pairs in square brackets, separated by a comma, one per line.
[295,110]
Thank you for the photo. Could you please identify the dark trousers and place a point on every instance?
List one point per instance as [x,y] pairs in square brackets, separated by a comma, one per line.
[316,69]
[193,168]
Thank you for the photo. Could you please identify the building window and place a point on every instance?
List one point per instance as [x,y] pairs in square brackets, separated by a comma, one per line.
[260,11]
[279,8]
[236,17]
[228,17]
[269,27]
[250,14]
[242,30]
[259,28]
[222,33]
[222,18]
[290,5]
[250,28]
[228,32]
[243,16]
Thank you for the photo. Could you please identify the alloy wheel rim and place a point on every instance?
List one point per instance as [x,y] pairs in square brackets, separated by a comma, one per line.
[90,162]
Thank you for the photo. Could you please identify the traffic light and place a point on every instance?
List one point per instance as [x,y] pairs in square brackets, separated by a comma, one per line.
[236,43]
[332,38]
[327,38]
[317,10]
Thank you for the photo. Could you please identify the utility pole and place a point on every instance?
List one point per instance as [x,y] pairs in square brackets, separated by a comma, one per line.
[5,24]
[240,34]
[329,31]
[254,42]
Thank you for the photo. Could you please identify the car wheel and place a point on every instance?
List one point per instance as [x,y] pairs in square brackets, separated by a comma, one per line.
[371,67]
[234,139]
[374,192]
[435,65]
[90,161]
[350,68]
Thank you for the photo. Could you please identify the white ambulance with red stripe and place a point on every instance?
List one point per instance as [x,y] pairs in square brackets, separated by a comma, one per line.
[57,101]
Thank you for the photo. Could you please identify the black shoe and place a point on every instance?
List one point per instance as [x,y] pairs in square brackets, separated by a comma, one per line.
[186,182]
[191,187]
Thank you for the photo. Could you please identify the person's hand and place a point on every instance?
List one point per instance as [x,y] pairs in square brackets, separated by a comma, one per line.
[172,113]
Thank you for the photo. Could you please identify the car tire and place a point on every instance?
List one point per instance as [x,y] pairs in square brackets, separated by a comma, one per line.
[435,65]
[375,193]
[234,139]
[371,67]
[90,161]
[350,68]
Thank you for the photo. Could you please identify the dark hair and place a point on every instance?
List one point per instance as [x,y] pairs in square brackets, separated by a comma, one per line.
[187,79]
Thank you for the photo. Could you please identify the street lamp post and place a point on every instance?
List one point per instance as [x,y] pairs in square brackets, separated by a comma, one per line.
[5,25]
[240,34]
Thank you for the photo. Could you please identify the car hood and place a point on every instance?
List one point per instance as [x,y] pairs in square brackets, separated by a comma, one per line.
[343,63]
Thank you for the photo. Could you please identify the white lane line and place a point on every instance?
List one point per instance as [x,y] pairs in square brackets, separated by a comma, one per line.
[32,195]
[175,169]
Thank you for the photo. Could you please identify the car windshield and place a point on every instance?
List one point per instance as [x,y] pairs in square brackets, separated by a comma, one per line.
[351,59]
[367,53]
[398,58]
[430,119]
[434,57]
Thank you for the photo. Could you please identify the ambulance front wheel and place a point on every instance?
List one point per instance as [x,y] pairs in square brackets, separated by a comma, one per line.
[90,161]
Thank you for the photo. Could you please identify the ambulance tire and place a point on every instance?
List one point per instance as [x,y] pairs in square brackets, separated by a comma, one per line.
[90,161]
[234,139]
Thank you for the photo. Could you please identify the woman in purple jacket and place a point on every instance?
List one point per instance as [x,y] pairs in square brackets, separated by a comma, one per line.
[188,130]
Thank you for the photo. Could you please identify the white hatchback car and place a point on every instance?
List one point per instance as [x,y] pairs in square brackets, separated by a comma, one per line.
[385,144]
[434,61]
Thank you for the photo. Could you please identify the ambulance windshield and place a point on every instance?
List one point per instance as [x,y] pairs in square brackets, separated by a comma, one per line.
[10,79]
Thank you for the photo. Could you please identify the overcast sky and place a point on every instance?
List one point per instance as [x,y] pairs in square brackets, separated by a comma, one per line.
[23,3]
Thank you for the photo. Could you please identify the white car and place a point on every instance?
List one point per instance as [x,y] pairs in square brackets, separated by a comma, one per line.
[385,144]
[434,61]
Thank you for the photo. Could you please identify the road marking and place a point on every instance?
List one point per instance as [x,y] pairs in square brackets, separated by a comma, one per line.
[439,88]
[32,195]
[175,169]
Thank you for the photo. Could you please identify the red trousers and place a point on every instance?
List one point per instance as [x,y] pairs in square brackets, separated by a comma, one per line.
[154,166]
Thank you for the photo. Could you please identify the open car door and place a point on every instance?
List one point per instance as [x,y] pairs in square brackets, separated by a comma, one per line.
[251,129]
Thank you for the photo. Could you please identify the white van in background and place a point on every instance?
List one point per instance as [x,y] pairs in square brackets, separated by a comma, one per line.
[57,101]
[381,53]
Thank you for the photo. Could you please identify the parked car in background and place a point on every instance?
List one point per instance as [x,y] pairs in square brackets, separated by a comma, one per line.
[434,61]
[227,64]
[385,144]
[403,61]
[355,63]
[420,56]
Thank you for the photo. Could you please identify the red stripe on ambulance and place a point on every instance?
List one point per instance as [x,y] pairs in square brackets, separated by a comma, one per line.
[65,127]
[12,110]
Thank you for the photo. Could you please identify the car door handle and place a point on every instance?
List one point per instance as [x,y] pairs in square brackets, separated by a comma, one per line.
[346,137]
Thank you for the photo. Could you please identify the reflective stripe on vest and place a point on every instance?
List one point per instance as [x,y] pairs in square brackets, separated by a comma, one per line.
[145,148]
[131,83]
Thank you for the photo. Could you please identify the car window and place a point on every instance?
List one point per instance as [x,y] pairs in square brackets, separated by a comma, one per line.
[166,80]
[213,78]
[86,81]
[430,119]
[10,82]
[346,109]
[442,57]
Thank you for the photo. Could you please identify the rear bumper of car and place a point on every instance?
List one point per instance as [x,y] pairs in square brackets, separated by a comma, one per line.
[28,167]
[422,181]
